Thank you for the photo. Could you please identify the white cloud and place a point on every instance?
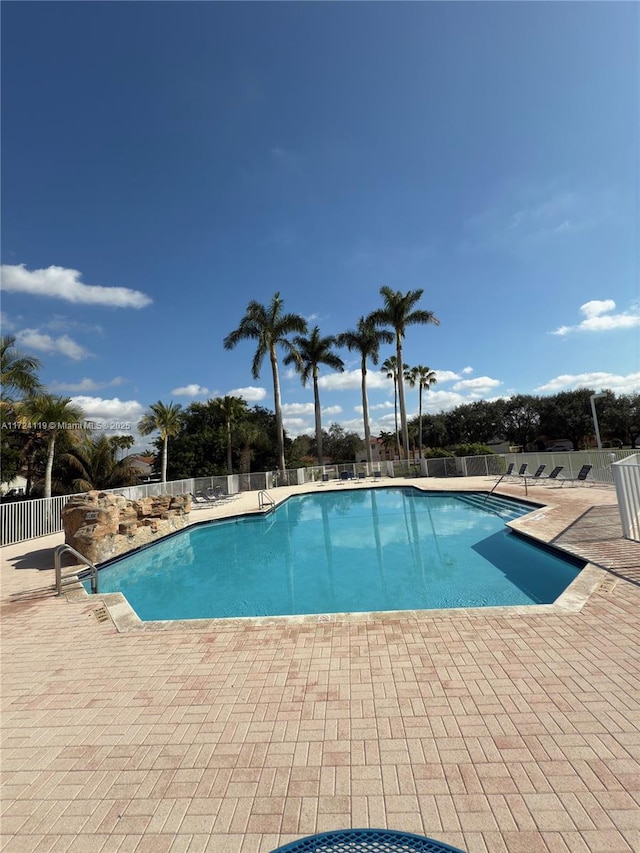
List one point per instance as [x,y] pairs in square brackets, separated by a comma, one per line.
[628,384]
[7,324]
[34,339]
[113,416]
[598,318]
[250,394]
[85,385]
[60,323]
[479,385]
[62,283]
[524,217]
[289,409]
[467,370]
[352,379]
[297,426]
[332,410]
[449,375]
[192,390]
[597,306]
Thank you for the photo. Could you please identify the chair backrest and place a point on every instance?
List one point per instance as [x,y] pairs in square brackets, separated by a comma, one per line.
[583,472]
[523,470]
[539,470]
[509,470]
[555,472]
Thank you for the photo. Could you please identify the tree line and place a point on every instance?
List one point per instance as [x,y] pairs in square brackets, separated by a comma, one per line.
[225,435]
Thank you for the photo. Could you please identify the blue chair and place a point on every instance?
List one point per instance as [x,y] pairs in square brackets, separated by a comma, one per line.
[366,841]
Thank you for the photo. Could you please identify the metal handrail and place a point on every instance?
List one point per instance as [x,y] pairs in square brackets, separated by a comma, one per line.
[60,550]
[265,499]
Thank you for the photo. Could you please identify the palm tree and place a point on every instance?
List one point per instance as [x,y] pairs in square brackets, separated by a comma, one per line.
[388,440]
[94,463]
[230,409]
[269,326]
[123,442]
[313,351]
[399,311]
[366,339]
[167,420]
[249,435]
[390,369]
[17,372]
[51,416]
[424,378]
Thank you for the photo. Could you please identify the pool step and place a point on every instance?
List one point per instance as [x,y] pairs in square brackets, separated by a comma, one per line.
[502,507]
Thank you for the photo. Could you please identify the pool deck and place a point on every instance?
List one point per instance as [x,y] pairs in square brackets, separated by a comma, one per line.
[508,731]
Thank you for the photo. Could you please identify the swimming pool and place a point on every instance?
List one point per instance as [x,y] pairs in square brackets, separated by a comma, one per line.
[356,550]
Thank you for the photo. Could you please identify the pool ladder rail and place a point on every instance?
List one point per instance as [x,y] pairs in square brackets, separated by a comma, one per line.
[63,580]
[265,500]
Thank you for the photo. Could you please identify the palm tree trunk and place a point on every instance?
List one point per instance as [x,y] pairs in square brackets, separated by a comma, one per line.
[229,450]
[403,407]
[316,407]
[49,467]
[365,415]
[164,458]
[395,411]
[278,408]
[420,421]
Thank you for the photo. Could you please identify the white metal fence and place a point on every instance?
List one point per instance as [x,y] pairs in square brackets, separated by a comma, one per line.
[30,519]
[626,476]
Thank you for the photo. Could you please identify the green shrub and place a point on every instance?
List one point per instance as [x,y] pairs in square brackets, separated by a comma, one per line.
[437,453]
[472,450]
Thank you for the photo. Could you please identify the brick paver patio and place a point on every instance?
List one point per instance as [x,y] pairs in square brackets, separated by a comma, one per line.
[492,731]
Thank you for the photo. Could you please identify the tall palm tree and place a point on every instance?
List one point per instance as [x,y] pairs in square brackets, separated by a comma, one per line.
[93,464]
[52,416]
[17,372]
[366,339]
[424,378]
[230,409]
[390,369]
[269,326]
[165,419]
[399,311]
[312,351]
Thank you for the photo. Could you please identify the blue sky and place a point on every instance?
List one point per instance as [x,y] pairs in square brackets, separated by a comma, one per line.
[165,163]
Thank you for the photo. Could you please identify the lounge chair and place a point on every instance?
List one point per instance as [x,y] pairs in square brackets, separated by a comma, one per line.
[199,500]
[377,475]
[528,478]
[580,477]
[536,474]
[507,473]
[554,473]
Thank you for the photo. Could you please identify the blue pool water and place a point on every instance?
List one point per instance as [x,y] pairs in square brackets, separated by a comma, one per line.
[352,550]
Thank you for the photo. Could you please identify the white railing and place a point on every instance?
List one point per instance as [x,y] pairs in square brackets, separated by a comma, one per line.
[21,520]
[30,519]
[626,476]
[148,490]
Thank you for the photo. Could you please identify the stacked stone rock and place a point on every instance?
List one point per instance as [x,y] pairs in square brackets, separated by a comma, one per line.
[101,525]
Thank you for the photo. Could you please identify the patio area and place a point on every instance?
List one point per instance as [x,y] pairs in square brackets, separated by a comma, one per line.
[492,730]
